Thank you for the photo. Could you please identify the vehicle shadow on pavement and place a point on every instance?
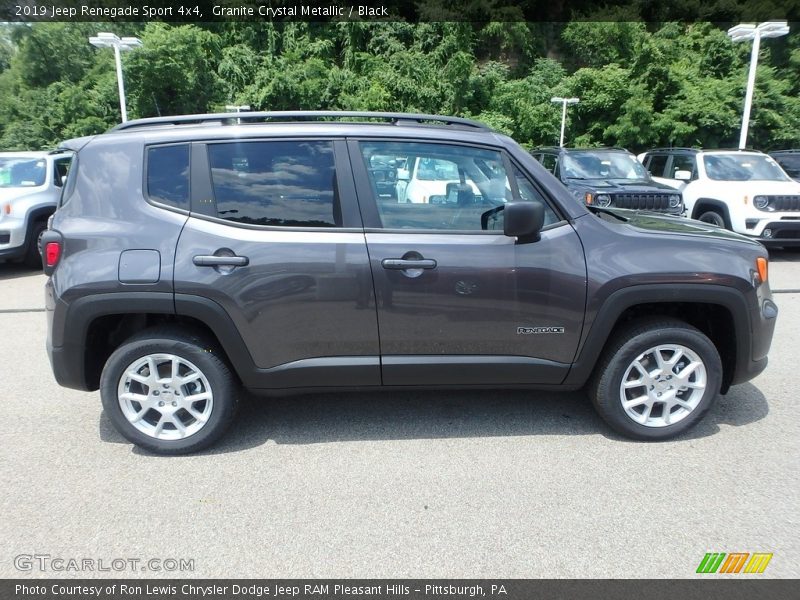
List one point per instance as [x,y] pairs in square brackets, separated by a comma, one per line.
[15,271]
[325,418]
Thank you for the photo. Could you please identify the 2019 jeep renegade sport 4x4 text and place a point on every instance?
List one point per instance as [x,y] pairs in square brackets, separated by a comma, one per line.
[192,255]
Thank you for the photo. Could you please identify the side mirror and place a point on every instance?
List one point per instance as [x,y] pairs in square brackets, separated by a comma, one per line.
[683,175]
[402,174]
[523,220]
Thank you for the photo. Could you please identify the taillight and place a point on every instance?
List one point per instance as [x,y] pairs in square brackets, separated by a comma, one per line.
[52,252]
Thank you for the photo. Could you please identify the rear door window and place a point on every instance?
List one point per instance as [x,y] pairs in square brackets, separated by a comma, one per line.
[276,183]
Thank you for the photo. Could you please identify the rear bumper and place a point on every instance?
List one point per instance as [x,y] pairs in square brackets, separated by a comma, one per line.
[67,365]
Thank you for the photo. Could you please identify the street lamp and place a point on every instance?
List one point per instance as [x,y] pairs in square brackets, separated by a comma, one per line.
[238,108]
[110,40]
[748,31]
[564,102]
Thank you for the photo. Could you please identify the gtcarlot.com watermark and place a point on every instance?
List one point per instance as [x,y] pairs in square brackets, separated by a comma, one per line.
[47,563]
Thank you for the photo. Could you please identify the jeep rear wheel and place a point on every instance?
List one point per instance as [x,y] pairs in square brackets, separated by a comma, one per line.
[712,217]
[656,379]
[168,392]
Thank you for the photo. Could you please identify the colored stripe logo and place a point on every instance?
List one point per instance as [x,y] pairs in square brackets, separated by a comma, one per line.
[736,562]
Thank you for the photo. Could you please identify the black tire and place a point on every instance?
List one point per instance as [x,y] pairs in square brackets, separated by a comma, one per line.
[624,348]
[205,356]
[33,254]
[713,217]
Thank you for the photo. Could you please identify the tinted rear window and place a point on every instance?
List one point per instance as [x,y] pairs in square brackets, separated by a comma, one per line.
[287,184]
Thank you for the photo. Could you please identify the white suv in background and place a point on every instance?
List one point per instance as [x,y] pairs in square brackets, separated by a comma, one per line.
[741,190]
[30,188]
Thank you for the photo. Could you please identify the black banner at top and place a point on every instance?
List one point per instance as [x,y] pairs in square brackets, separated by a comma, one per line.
[192,11]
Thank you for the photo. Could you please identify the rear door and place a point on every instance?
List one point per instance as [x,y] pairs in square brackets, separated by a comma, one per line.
[275,239]
[458,302]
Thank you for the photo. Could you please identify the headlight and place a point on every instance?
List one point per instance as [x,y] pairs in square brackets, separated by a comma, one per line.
[761,202]
[602,200]
[674,201]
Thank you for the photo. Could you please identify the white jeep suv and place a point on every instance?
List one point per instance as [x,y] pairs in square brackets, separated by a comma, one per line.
[741,190]
[30,188]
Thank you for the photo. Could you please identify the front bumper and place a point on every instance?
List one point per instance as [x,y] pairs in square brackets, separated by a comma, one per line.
[12,238]
[779,232]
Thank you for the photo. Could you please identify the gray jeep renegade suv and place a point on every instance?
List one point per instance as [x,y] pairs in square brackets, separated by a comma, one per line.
[196,254]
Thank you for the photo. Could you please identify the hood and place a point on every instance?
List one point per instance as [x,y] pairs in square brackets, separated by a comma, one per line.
[755,187]
[659,223]
[14,193]
[634,186]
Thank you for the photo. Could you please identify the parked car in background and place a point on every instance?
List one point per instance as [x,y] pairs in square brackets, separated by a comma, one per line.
[30,187]
[609,177]
[789,160]
[742,190]
[259,251]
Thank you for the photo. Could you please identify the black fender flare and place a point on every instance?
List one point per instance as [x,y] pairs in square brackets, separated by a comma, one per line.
[721,207]
[78,315]
[612,308]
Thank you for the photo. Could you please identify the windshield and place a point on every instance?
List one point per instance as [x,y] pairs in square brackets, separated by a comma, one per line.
[22,171]
[743,167]
[790,164]
[602,165]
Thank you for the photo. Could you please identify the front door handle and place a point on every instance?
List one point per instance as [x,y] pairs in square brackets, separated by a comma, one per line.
[403,264]
[221,261]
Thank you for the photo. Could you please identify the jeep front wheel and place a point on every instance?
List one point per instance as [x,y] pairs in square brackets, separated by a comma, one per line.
[656,379]
[168,392]
[713,217]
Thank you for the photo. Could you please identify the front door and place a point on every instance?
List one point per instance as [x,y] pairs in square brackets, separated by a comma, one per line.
[459,302]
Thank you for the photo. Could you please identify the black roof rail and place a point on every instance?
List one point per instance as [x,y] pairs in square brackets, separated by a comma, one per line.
[583,149]
[673,148]
[236,118]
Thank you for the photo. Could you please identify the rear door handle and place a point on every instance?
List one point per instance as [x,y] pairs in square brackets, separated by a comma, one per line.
[402,263]
[221,261]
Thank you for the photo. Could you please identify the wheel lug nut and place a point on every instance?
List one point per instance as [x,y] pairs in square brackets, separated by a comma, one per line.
[174,403]
[161,404]
[156,392]
[166,386]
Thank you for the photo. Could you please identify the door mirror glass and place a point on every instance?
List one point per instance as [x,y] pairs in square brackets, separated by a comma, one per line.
[683,175]
[523,220]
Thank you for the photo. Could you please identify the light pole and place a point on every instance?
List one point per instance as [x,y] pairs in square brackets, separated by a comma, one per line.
[111,40]
[238,108]
[748,31]
[564,102]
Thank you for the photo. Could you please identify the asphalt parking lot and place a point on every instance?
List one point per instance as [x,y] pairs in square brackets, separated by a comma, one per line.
[435,484]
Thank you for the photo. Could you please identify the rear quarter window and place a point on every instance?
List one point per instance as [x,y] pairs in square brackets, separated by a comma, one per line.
[168,175]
